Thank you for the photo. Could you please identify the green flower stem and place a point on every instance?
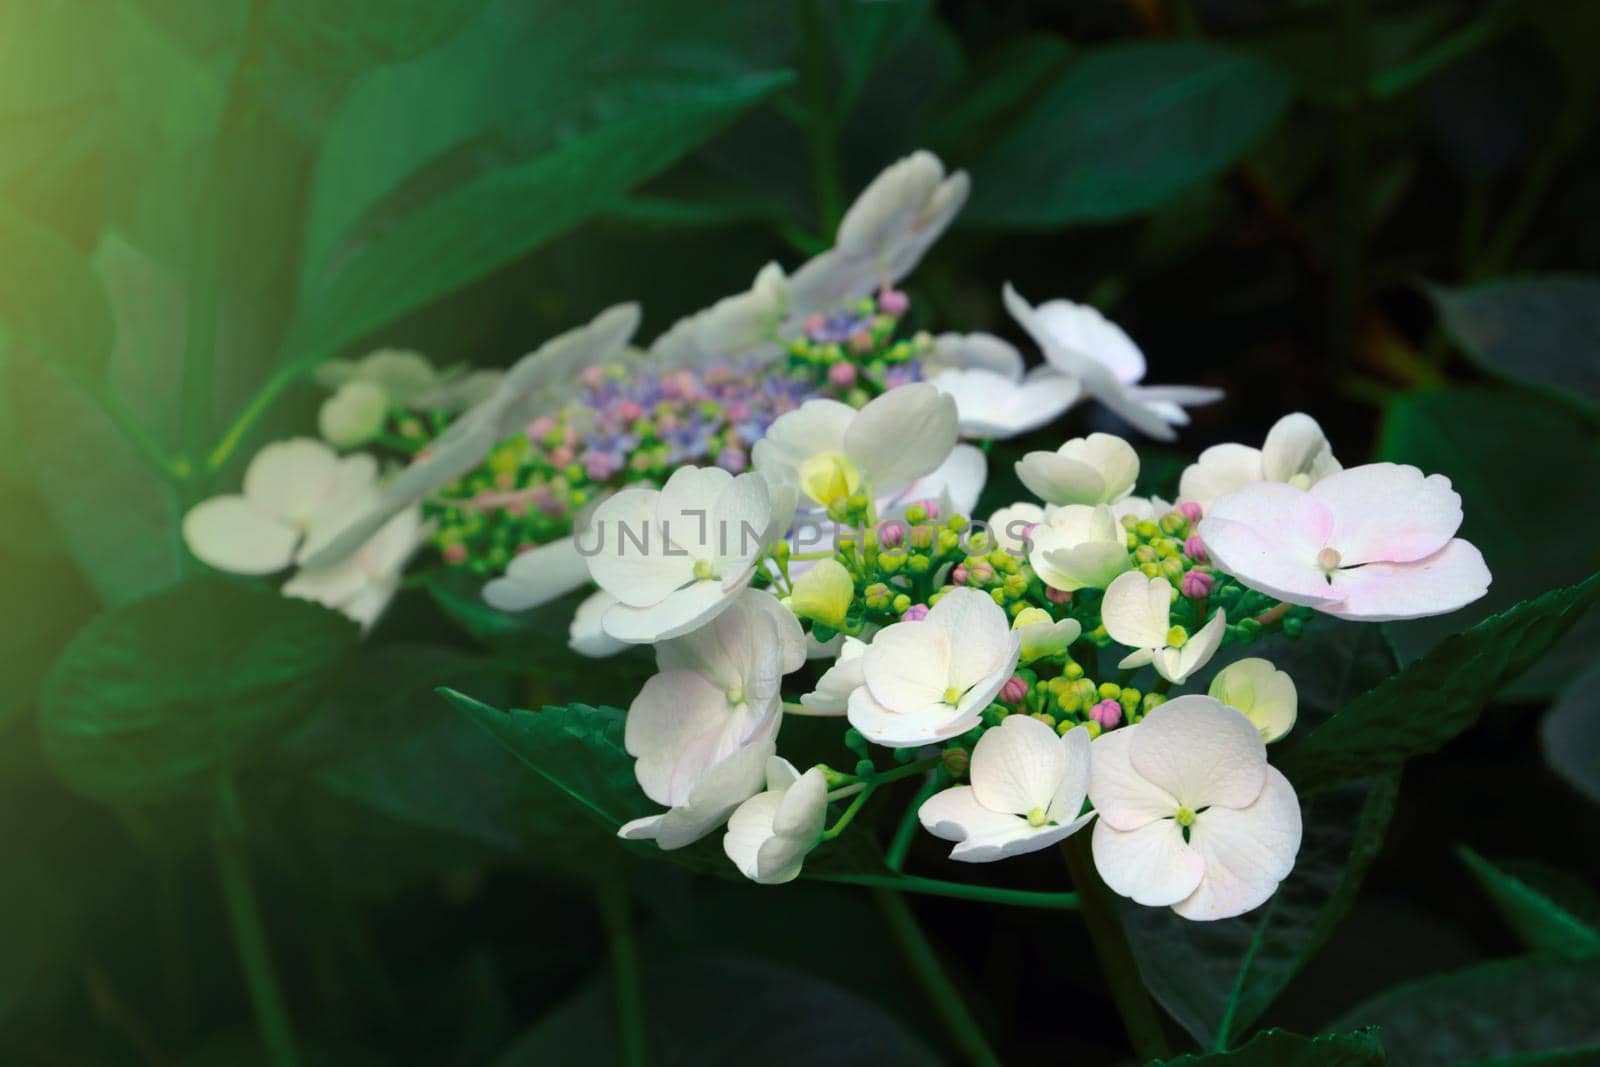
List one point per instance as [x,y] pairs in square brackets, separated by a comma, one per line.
[849,813]
[924,963]
[935,887]
[907,830]
[616,915]
[908,771]
[1099,910]
[253,409]
[249,932]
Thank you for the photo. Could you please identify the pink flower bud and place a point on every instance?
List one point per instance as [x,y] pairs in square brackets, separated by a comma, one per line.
[1189,510]
[915,613]
[959,575]
[861,341]
[814,325]
[1195,548]
[560,457]
[982,572]
[842,375]
[456,553]
[891,533]
[1057,596]
[893,302]
[1014,690]
[930,507]
[543,426]
[1196,585]
[594,376]
[1108,713]
[630,411]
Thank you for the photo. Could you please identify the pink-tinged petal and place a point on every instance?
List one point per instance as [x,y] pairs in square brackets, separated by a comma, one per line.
[1388,513]
[907,666]
[977,633]
[1122,796]
[1220,470]
[1200,751]
[1018,766]
[1443,582]
[1268,536]
[1152,865]
[1247,852]
[228,533]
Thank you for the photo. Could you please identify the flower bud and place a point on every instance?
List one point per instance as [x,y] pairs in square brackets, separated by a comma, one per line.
[959,575]
[915,613]
[1195,548]
[893,302]
[955,761]
[1190,510]
[1057,596]
[842,375]
[900,603]
[1196,585]
[823,594]
[1107,713]
[1015,689]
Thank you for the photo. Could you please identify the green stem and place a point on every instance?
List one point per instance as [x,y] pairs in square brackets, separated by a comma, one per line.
[906,832]
[819,119]
[616,915]
[935,887]
[253,409]
[849,815]
[249,932]
[1099,910]
[924,963]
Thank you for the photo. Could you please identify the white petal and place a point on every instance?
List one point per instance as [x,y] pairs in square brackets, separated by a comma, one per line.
[1198,650]
[978,634]
[907,666]
[1012,527]
[1121,795]
[723,788]
[1201,751]
[1018,766]
[991,405]
[955,485]
[672,730]
[1060,480]
[1220,470]
[354,415]
[1073,789]
[1263,693]
[1112,458]
[1388,513]
[1247,852]
[586,636]
[1296,446]
[688,507]
[912,729]
[902,435]
[627,553]
[1152,865]
[955,814]
[1380,592]
[832,694]
[687,609]
[749,828]
[1079,333]
[290,479]
[814,428]
[1268,536]
[978,351]
[741,514]
[1137,610]
[537,577]
[228,533]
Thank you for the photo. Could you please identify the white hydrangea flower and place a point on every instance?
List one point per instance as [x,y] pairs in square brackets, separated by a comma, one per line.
[361,585]
[770,834]
[1373,543]
[1265,695]
[695,727]
[586,635]
[1042,635]
[408,380]
[996,398]
[832,694]
[1079,547]
[675,557]
[1190,813]
[1137,613]
[929,680]
[353,415]
[1084,345]
[1028,787]
[295,494]
[537,576]
[1098,469]
[829,449]
[1296,452]
[883,236]
[531,386]
[743,326]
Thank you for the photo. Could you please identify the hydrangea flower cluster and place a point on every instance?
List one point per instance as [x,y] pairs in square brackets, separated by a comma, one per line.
[1039,670]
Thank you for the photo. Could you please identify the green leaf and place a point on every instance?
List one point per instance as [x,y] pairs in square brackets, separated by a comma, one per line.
[58,603]
[1543,332]
[1536,1008]
[1437,697]
[1221,976]
[1000,90]
[688,1021]
[508,211]
[1542,923]
[1502,448]
[1570,734]
[52,306]
[150,697]
[1279,1048]
[1124,130]
[350,37]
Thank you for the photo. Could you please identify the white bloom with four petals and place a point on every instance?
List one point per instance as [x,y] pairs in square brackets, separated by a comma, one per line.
[1296,452]
[1079,547]
[1098,469]
[929,680]
[1190,814]
[1372,543]
[1136,612]
[1027,792]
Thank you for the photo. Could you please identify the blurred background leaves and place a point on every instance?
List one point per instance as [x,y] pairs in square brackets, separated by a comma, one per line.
[1372,210]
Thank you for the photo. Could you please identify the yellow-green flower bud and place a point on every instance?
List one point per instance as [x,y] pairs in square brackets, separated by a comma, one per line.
[823,594]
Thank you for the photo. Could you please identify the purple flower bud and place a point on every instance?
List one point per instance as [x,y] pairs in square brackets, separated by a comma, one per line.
[915,613]
[1196,585]
[1057,596]
[1015,689]
[1189,510]
[599,466]
[733,460]
[1108,713]
[1195,548]
[842,375]
[893,302]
